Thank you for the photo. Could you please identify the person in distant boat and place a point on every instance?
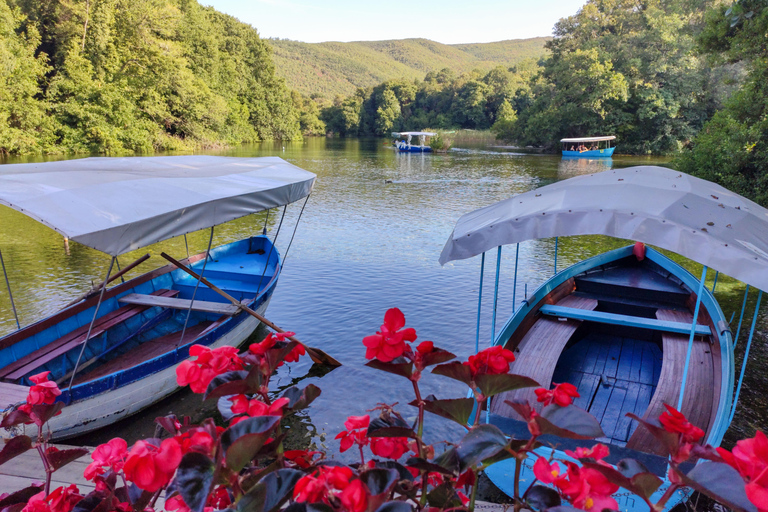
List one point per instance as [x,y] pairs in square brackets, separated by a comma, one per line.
[582,148]
[572,148]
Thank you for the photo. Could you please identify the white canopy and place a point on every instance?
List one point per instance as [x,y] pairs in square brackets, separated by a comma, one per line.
[689,216]
[411,134]
[117,205]
[590,139]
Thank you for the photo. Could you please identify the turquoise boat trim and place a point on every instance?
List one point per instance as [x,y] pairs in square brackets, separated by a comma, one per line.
[746,355]
[555,272]
[514,282]
[717,273]
[690,339]
[741,316]
[496,295]
[596,153]
[624,320]
[479,303]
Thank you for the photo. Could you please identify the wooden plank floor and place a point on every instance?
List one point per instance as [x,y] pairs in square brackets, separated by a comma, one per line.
[699,399]
[614,376]
[539,351]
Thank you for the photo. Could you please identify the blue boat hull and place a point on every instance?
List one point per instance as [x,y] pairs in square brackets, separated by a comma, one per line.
[414,149]
[597,153]
[502,473]
[248,270]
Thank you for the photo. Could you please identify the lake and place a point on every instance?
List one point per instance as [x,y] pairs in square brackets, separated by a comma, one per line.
[368,240]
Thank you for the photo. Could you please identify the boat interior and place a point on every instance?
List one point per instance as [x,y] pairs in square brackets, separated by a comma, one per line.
[141,319]
[619,333]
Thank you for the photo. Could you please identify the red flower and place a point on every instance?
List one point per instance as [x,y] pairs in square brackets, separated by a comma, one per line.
[750,459]
[354,497]
[546,472]
[255,407]
[210,363]
[44,391]
[319,485]
[389,343]
[197,440]
[295,354]
[357,428]
[302,458]
[562,394]
[111,454]
[494,360]
[587,489]
[389,447]
[62,499]
[425,347]
[597,452]
[151,467]
[674,421]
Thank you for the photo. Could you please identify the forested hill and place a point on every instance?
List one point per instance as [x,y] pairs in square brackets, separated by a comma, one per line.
[330,69]
[119,76]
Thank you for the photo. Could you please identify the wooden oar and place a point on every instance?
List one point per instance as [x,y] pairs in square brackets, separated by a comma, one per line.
[317,355]
[97,287]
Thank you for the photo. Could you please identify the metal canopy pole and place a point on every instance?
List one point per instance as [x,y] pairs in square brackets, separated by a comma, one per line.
[690,338]
[479,303]
[556,255]
[741,316]
[10,295]
[717,273]
[746,355]
[194,292]
[496,296]
[90,328]
[514,285]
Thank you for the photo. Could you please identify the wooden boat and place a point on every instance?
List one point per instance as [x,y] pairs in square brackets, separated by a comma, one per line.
[619,327]
[404,142]
[115,352]
[589,147]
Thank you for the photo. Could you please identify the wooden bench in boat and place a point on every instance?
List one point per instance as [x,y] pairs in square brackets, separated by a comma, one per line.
[699,399]
[539,351]
[624,320]
[219,308]
[24,365]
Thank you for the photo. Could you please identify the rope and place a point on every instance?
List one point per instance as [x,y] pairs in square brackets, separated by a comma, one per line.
[295,227]
[266,263]
[741,317]
[197,285]
[10,295]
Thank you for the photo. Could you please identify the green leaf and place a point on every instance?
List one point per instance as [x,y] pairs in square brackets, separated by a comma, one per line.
[456,409]
[15,417]
[449,459]
[391,426]
[44,412]
[720,482]
[271,492]
[22,496]
[570,422]
[425,465]
[456,371]
[437,356]
[301,398]
[444,496]
[379,481]
[243,440]
[61,458]
[480,443]
[540,497]
[667,440]
[494,384]
[193,480]
[402,369]
[15,446]
[402,471]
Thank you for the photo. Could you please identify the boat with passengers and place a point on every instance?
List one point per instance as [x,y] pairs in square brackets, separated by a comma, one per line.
[403,141]
[631,329]
[115,351]
[589,147]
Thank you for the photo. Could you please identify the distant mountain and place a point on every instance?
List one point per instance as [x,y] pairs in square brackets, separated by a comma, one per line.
[334,68]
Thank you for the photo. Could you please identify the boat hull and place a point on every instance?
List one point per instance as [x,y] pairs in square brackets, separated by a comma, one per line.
[596,153]
[414,149]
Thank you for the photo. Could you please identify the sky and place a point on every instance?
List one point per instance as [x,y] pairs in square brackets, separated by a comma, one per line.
[444,21]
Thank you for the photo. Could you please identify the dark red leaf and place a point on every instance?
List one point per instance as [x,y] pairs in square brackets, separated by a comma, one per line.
[15,446]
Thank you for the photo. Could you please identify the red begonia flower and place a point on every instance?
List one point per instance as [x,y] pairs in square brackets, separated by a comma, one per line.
[425,347]
[197,440]
[389,343]
[302,458]
[674,421]
[562,394]
[587,489]
[546,472]
[111,454]
[151,467]
[209,363]
[492,361]
[597,452]
[389,447]
[44,391]
[354,497]
[295,354]
[255,407]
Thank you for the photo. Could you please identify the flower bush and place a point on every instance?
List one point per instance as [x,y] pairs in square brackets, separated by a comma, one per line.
[243,466]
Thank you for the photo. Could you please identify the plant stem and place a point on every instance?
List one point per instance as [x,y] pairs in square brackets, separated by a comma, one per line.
[474,491]
[663,501]
[420,443]
[47,465]
[518,468]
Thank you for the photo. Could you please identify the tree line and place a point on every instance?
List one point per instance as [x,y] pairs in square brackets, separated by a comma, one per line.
[116,76]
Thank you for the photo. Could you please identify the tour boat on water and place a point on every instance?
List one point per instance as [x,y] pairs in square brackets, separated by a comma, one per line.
[589,147]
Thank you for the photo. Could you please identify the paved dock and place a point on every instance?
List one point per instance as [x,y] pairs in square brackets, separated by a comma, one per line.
[26,469]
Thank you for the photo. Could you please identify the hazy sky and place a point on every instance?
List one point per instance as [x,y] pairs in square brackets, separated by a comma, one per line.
[445,21]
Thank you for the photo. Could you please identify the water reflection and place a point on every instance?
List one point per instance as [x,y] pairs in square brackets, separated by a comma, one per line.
[368,240]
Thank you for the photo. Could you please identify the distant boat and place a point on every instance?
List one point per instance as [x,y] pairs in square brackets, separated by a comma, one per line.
[403,141]
[115,351]
[620,326]
[589,147]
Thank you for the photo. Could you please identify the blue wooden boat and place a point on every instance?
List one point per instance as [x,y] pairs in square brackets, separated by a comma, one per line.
[115,352]
[620,328]
[403,141]
[589,147]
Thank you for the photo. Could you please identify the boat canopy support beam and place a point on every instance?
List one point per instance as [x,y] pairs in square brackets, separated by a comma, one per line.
[746,355]
[690,338]
[479,303]
[10,295]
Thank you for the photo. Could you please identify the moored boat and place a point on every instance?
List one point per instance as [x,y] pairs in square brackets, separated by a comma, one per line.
[589,147]
[114,352]
[403,141]
[620,326]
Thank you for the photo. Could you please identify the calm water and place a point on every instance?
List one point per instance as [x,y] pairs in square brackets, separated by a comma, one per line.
[368,240]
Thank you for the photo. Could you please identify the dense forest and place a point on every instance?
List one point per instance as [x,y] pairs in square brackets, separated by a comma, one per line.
[117,76]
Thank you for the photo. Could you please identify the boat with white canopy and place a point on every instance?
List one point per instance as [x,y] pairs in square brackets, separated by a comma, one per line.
[115,351]
[630,328]
[403,141]
[589,147]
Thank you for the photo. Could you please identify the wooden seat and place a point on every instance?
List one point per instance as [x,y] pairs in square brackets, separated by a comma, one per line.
[538,353]
[29,363]
[219,308]
[698,401]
